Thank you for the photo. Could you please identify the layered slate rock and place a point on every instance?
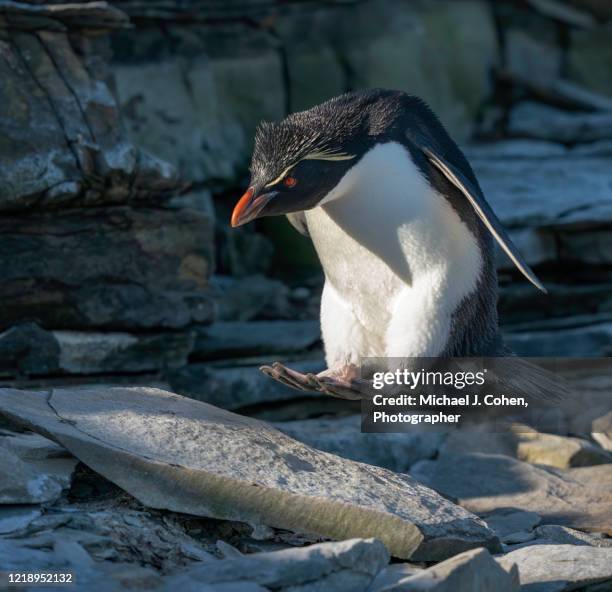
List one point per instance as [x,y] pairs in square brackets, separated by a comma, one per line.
[116,267]
[182,88]
[347,566]
[179,93]
[92,353]
[27,349]
[91,238]
[175,453]
[559,568]
[62,143]
[534,120]
[112,532]
[33,470]
[238,385]
[547,192]
[590,340]
[236,339]
[580,497]
[471,570]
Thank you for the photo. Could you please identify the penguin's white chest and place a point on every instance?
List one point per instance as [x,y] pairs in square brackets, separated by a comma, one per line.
[396,255]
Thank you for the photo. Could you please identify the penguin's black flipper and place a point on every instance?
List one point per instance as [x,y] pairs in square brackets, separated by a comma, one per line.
[485,213]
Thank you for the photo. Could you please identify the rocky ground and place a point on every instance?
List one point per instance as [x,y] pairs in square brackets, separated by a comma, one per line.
[138,488]
[122,124]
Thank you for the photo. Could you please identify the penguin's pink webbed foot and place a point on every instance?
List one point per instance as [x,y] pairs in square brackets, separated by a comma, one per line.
[343,382]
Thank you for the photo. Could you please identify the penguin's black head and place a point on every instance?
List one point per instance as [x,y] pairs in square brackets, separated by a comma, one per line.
[297,162]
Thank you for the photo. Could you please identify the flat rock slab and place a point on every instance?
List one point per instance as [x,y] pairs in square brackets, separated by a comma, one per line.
[240,338]
[547,192]
[592,340]
[580,498]
[175,453]
[534,120]
[559,568]
[33,470]
[346,566]
[466,572]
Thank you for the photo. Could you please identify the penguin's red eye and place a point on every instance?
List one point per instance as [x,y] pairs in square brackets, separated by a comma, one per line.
[290,182]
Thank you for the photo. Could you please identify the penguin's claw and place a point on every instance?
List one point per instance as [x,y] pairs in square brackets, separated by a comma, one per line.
[325,382]
[286,376]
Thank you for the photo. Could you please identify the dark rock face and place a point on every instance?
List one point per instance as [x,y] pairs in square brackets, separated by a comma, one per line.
[115,267]
[88,243]
[61,140]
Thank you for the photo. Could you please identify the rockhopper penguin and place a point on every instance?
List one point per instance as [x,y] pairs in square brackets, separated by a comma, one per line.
[400,225]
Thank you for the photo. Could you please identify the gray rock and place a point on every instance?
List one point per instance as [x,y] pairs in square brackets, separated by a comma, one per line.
[590,58]
[243,299]
[94,353]
[547,192]
[344,566]
[187,111]
[239,339]
[78,15]
[457,38]
[116,533]
[593,340]
[508,520]
[560,11]
[581,97]
[237,468]
[237,386]
[533,120]
[602,431]
[559,451]
[29,446]
[482,483]
[243,252]
[32,482]
[519,537]
[27,349]
[136,268]
[78,154]
[393,574]
[514,148]
[601,148]
[534,58]
[15,517]
[548,87]
[559,568]
[480,437]
[521,307]
[553,534]
[20,556]
[468,571]
[343,436]
[600,11]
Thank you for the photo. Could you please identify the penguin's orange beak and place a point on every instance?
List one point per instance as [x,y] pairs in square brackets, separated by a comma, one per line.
[249,207]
